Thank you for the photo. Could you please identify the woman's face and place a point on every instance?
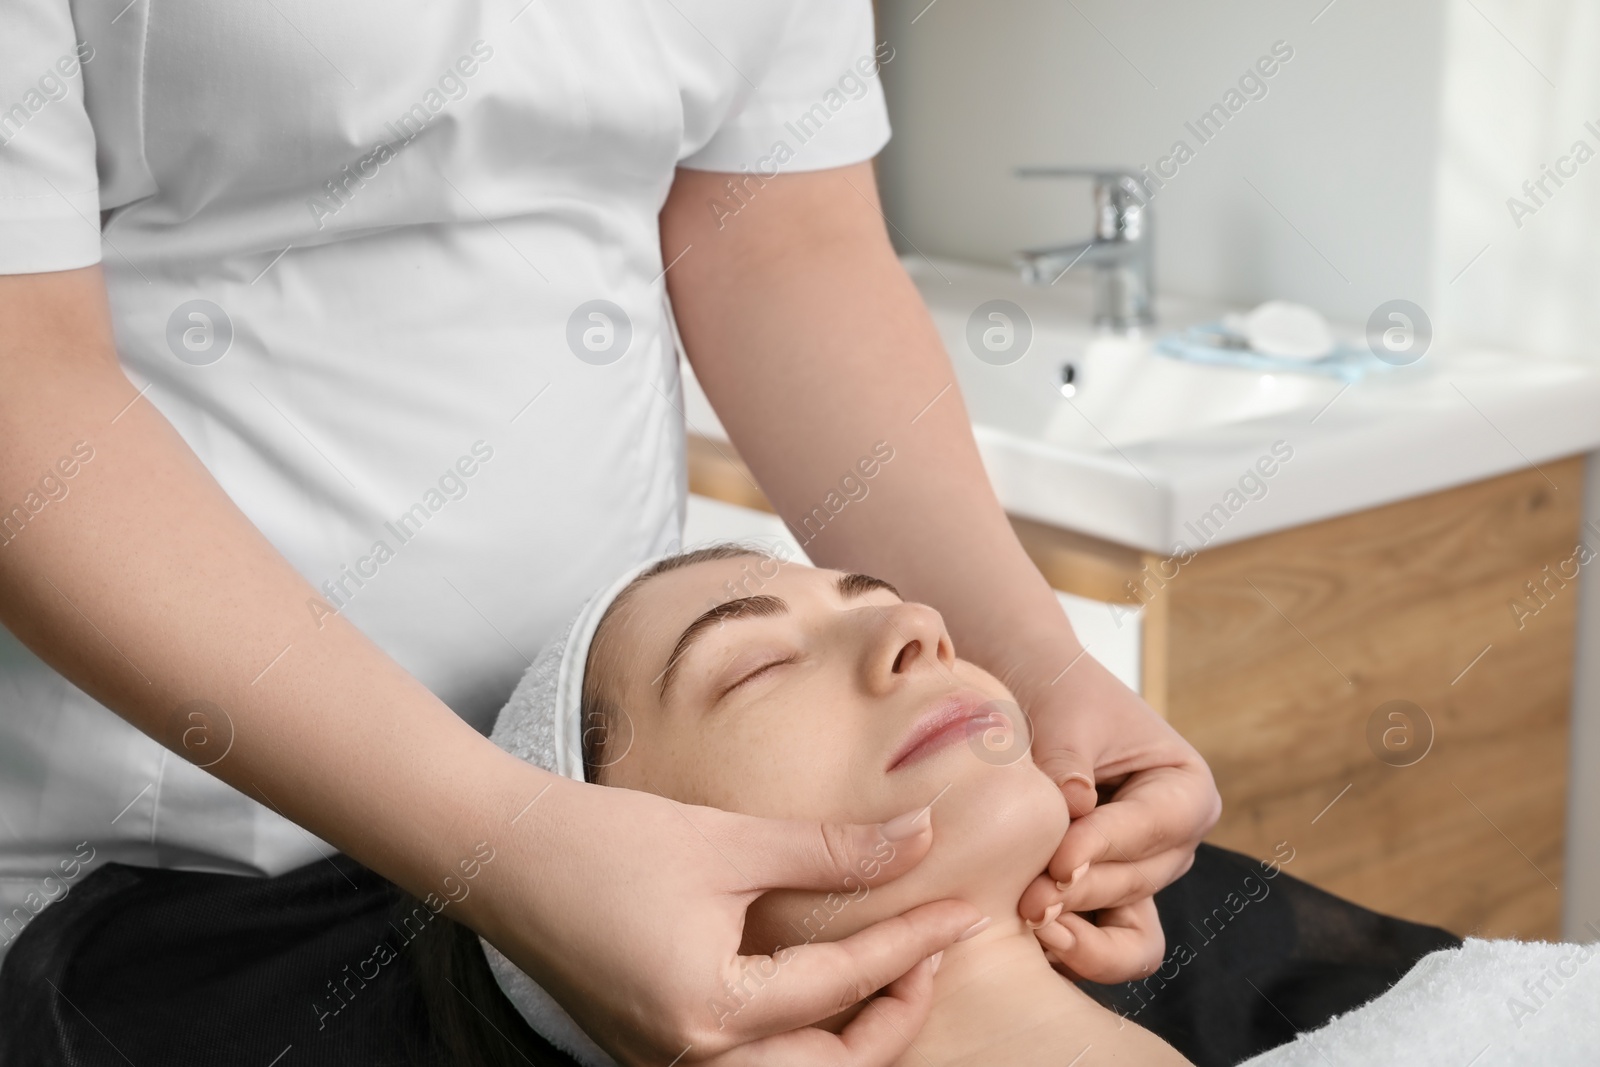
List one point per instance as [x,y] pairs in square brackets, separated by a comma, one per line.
[788,692]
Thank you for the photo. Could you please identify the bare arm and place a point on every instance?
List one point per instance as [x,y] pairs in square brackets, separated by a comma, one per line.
[148,588]
[813,344]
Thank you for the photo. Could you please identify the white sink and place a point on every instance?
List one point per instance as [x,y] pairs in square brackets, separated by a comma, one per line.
[1122,393]
[1146,445]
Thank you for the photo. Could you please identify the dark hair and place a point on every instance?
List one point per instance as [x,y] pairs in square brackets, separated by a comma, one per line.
[598,714]
[470,1021]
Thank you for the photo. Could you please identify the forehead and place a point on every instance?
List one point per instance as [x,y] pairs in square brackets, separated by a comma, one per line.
[649,621]
[672,600]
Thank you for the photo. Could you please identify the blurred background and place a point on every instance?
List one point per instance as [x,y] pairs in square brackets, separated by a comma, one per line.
[1377,165]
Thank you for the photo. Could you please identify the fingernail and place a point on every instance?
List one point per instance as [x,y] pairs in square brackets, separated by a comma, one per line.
[937,958]
[1072,879]
[976,928]
[910,824]
[1051,914]
[1078,776]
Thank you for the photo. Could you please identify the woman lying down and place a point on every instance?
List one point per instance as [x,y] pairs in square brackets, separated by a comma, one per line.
[823,696]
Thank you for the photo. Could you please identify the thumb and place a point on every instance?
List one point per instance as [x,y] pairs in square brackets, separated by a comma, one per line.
[792,854]
[1073,774]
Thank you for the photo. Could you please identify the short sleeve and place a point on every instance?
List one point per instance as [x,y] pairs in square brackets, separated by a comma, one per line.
[49,191]
[818,104]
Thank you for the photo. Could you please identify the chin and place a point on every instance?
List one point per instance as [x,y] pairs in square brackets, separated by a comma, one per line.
[995,829]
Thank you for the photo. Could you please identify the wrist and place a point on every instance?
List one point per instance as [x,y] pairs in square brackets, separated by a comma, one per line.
[1039,659]
[507,824]
[459,801]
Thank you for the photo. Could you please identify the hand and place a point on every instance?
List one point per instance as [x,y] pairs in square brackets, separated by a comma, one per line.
[1121,944]
[630,912]
[1093,736]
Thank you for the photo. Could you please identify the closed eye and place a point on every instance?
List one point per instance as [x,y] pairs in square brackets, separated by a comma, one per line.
[759,671]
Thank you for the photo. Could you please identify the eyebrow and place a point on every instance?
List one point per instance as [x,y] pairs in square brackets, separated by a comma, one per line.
[849,587]
[748,607]
[854,585]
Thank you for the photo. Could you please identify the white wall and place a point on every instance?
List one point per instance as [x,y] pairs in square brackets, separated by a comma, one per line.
[1537,288]
[1383,151]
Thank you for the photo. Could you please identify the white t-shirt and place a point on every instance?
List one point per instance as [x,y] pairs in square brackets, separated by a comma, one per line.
[393,271]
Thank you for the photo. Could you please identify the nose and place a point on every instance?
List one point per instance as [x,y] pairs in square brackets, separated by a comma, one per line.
[908,641]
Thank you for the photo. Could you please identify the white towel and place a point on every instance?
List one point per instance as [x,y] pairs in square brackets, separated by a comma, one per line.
[1486,1003]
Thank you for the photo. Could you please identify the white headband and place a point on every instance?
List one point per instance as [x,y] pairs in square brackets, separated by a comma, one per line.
[540,724]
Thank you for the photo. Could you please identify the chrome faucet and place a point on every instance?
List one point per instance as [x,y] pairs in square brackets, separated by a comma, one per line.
[1119,253]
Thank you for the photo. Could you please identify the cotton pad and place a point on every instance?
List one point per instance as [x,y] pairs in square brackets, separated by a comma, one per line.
[1285,329]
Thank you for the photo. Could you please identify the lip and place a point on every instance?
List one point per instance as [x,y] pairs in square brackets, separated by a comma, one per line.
[947,722]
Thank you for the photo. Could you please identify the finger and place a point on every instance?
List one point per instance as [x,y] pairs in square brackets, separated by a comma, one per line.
[1040,895]
[1112,884]
[1102,886]
[792,854]
[880,1034]
[1153,812]
[1073,774]
[802,985]
[1124,944]
[1106,884]
[1143,817]
[890,1023]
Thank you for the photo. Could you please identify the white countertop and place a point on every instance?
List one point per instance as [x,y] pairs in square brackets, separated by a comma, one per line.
[1457,416]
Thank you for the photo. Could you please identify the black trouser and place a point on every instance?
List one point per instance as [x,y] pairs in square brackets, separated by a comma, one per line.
[330,964]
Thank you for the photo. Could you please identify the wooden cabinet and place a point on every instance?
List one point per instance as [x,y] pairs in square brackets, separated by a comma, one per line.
[1282,649]
[1366,688]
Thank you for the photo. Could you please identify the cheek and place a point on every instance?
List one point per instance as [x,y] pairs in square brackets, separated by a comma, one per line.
[790,773]
[791,751]
[775,761]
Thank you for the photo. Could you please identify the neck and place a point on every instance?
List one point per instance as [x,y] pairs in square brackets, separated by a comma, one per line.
[996,999]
